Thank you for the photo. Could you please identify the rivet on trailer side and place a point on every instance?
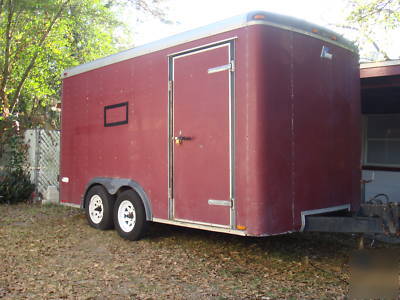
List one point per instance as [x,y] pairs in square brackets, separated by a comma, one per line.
[249,126]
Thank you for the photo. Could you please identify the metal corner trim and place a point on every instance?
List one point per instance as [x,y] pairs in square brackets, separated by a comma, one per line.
[208,227]
[70,204]
[311,34]
[321,211]
[177,39]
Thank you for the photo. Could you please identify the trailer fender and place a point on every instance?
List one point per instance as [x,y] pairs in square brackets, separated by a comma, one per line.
[112,185]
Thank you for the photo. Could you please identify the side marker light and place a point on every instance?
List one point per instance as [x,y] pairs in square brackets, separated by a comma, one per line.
[259,17]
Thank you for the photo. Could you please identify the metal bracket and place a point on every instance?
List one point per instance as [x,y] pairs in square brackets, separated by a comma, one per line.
[170,84]
[230,67]
[220,202]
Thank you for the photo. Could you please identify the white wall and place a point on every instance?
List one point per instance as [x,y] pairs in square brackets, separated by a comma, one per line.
[384,182]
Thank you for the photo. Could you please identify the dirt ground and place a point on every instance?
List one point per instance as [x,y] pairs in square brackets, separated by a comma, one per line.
[49,252]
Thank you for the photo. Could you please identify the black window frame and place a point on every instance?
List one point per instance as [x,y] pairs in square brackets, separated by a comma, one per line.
[113,106]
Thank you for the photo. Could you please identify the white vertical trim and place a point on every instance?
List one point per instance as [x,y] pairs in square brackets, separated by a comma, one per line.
[232,136]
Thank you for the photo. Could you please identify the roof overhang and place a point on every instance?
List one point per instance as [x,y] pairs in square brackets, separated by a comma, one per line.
[380,87]
[380,69]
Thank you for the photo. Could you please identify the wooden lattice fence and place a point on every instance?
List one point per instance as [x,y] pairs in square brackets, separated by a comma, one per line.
[44,158]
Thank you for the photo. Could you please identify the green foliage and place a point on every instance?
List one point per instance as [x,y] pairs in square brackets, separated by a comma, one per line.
[40,39]
[15,186]
[375,23]
[16,153]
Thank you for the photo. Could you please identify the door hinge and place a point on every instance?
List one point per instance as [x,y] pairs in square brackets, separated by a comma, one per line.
[232,66]
[170,83]
[169,193]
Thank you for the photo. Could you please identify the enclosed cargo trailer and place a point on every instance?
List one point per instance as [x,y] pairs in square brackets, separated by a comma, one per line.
[246,126]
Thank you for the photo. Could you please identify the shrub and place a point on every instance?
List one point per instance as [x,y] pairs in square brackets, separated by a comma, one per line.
[15,186]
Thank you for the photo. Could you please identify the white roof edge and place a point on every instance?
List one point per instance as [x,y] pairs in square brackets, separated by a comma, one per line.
[191,35]
[187,36]
[380,64]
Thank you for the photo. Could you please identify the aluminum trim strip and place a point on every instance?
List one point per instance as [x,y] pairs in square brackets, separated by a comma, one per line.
[178,39]
[183,223]
[321,211]
[202,48]
[219,202]
[216,44]
[188,36]
[232,112]
[202,223]
[70,204]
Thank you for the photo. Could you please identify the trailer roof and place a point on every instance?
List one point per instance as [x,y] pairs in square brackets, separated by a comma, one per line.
[248,19]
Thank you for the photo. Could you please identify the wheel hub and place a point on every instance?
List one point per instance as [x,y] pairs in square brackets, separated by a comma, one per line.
[96,209]
[126,216]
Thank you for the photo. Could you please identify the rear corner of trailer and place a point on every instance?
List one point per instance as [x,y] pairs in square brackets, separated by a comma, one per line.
[307,123]
[326,118]
[73,150]
[66,139]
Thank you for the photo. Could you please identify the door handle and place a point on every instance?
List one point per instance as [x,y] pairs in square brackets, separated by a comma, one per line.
[179,139]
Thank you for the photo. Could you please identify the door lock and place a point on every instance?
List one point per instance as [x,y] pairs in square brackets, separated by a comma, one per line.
[179,139]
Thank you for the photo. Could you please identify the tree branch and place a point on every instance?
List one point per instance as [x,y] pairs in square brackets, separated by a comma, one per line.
[5,73]
[344,26]
[376,9]
[378,49]
[35,55]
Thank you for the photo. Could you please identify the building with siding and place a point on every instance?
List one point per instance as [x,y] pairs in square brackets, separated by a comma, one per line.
[380,96]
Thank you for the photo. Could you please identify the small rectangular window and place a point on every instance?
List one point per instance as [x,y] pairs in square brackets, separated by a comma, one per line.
[382,141]
[116,114]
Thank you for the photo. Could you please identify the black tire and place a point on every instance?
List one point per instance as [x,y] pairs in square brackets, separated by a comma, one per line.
[130,216]
[100,214]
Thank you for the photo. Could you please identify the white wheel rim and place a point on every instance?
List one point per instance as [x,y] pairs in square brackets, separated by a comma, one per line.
[96,209]
[126,216]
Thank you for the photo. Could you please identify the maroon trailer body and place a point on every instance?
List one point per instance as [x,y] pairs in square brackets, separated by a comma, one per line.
[245,126]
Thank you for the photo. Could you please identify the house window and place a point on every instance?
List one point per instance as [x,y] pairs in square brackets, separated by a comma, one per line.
[382,140]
